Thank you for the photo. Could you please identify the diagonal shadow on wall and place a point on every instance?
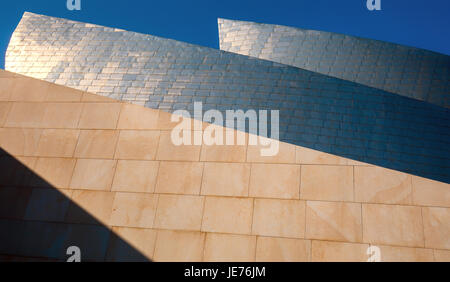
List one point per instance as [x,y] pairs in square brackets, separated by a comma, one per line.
[34,225]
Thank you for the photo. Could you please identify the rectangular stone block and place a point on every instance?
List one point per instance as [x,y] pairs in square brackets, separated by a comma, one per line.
[100,144]
[93,174]
[61,115]
[183,212]
[392,225]
[137,117]
[436,223]
[137,145]
[20,141]
[271,249]
[380,185]
[135,176]
[57,143]
[23,114]
[179,178]
[90,207]
[225,179]
[134,210]
[280,218]
[275,181]
[178,245]
[427,192]
[99,115]
[227,215]
[229,247]
[333,221]
[167,150]
[326,182]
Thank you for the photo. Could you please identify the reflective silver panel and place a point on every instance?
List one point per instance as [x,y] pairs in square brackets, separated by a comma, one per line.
[403,70]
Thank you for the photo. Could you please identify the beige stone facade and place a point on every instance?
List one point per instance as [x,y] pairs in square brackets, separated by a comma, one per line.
[93,161]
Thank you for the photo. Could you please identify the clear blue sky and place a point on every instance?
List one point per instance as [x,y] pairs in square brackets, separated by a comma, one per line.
[419,23]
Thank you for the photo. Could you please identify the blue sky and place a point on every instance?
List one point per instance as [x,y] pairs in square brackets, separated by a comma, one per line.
[419,23]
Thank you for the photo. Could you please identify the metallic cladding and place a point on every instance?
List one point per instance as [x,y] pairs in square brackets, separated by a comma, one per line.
[407,71]
[317,111]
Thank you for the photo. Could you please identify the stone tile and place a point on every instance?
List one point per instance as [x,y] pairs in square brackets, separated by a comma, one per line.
[441,255]
[138,117]
[6,88]
[404,254]
[48,204]
[380,185]
[29,89]
[93,207]
[275,181]
[59,93]
[436,223]
[333,221]
[286,153]
[225,179]
[134,210]
[20,141]
[229,247]
[135,176]
[53,172]
[179,212]
[428,192]
[99,115]
[392,225]
[326,182]
[93,174]
[179,178]
[131,244]
[182,246]
[26,115]
[137,145]
[165,120]
[4,110]
[308,156]
[57,143]
[323,251]
[225,152]
[168,151]
[99,144]
[227,215]
[280,218]
[61,115]
[270,249]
